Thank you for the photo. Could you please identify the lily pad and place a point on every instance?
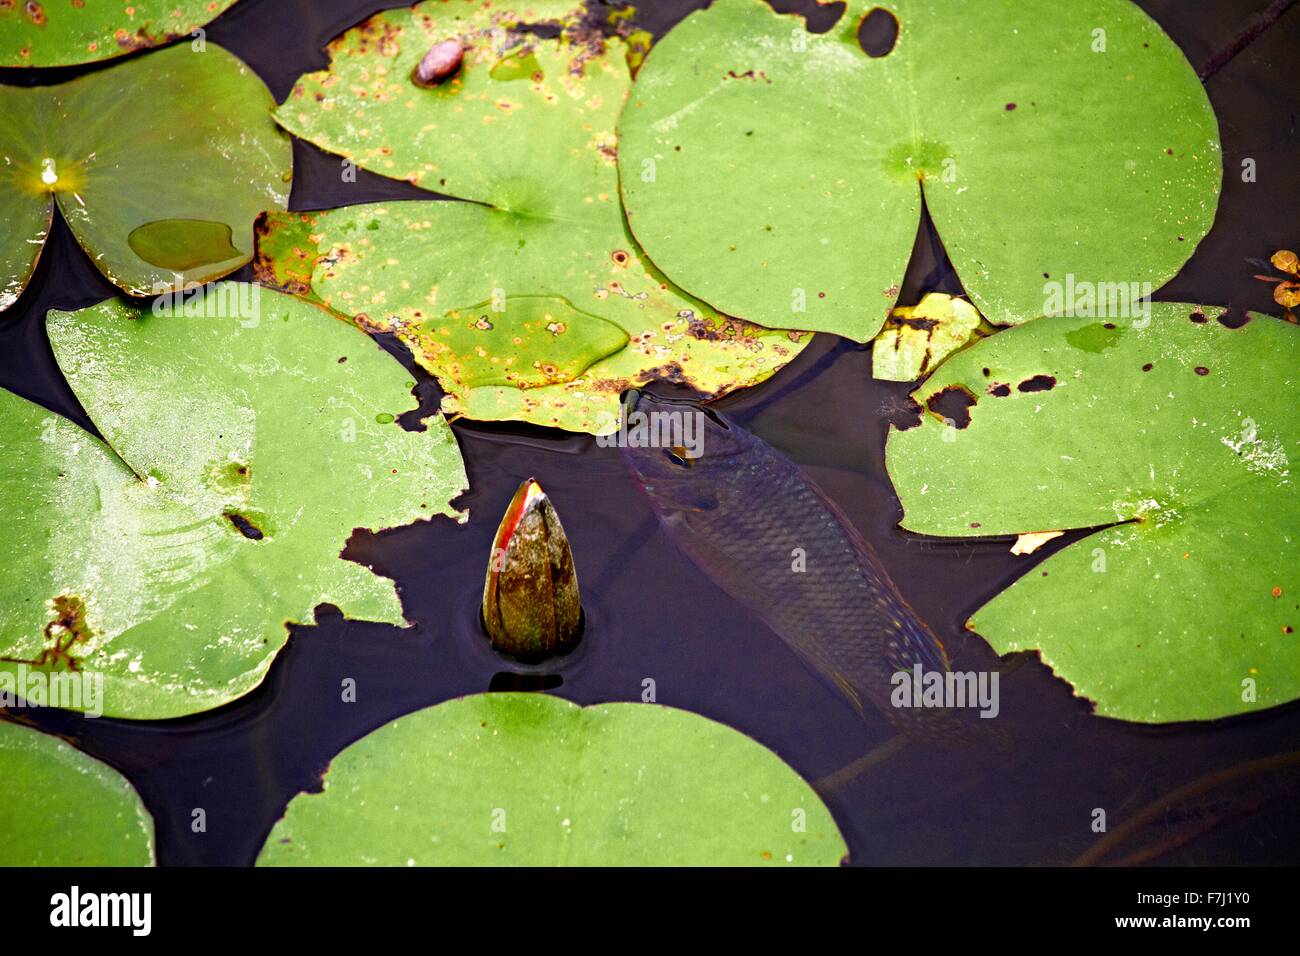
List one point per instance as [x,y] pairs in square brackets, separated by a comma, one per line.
[245,437]
[528,779]
[524,128]
[62,808]
[767,169]
[67,32]
[159,165]
[917,338]
[1179,436]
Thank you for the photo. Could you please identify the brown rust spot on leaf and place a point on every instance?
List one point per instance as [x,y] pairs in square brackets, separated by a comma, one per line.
[244,526]
[63,634]
[722,329]
[747,75]
[952,405]
[1037,383]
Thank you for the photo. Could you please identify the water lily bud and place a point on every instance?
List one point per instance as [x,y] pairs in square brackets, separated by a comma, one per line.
[531,605]
[441,62]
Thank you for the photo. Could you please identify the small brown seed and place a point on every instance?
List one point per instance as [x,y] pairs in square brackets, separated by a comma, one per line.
[441,62]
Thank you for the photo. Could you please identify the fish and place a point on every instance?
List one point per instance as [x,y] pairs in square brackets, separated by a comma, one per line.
[747,517]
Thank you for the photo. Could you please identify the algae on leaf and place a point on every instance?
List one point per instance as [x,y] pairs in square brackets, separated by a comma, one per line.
[1179,434]
[525,130]
[60,807]
[245,437]
[67,32]
[766,168]
[159,165]
[532,780]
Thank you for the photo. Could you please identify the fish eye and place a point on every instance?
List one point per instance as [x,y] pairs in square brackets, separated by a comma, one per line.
[677,455]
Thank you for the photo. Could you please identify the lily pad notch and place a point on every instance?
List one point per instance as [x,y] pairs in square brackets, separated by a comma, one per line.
[129,155]
[778,174]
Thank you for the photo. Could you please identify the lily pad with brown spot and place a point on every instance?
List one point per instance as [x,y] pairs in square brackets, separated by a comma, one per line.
[525,129]
[67,32]
[159,165]
[246,436]
[1180,440]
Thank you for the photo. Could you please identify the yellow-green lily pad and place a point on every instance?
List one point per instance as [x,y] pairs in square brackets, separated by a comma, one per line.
[917,338]
[524,128]
[67,32]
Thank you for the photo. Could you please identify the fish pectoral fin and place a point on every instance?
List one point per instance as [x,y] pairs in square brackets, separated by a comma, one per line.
[848,691]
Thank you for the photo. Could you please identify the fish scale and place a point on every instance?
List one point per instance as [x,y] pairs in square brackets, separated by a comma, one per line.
[739,511]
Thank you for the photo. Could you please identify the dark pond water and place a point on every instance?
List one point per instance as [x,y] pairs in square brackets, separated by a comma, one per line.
[651,614]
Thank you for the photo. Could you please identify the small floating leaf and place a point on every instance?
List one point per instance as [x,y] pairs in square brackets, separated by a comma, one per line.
[159,165]
[66,32]
[525,129]
[60,807]
[916,339]
[239,455]
[527,779]
[1182,438]
[1033,540]
[763,163]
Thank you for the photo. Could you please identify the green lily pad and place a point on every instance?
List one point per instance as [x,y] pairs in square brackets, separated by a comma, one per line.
[1180,435]
[62,808]
[245,437]
[66,32]
[766,168]
[159,165]
[525,130]
[528,779]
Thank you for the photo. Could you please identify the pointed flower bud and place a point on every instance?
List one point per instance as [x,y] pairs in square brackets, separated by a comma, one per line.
[531,605]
